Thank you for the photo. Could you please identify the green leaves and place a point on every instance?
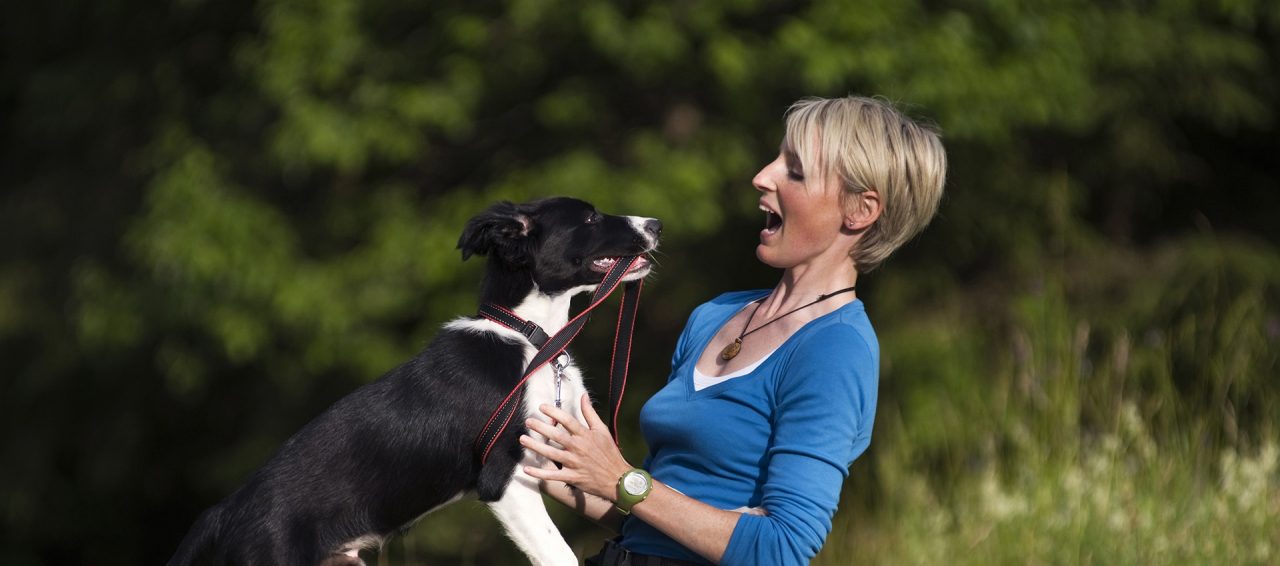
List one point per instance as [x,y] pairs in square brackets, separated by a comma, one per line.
[220,217]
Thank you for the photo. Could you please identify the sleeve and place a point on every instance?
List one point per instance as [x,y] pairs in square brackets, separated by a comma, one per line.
[824,407]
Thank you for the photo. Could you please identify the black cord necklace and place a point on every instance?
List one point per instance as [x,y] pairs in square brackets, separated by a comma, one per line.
[731,351]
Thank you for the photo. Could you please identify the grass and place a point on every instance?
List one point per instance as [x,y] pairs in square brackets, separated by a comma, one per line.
[1120,499]
[1131,422]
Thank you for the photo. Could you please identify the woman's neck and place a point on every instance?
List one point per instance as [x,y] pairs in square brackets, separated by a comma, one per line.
[805,283]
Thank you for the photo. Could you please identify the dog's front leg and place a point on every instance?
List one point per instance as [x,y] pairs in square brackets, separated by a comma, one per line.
[523,514]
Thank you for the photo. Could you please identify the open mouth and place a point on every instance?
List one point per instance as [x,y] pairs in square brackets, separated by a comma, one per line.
[772,220]
[604,264]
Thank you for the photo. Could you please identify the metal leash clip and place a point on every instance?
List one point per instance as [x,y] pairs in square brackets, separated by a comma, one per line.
[558,364]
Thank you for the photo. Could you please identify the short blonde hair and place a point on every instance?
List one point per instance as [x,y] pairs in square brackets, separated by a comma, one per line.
[870,146]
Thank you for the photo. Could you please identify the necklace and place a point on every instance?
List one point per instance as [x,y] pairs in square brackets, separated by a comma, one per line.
[731,351]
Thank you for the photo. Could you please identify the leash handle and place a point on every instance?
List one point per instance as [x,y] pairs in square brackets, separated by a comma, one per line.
[506,410]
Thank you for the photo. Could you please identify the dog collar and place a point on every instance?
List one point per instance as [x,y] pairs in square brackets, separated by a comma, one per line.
[530,329]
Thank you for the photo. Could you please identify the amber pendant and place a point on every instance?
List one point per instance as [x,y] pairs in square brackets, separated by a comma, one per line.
[731,351]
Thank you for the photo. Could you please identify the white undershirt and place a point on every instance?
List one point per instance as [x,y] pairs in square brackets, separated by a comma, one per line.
[702,381]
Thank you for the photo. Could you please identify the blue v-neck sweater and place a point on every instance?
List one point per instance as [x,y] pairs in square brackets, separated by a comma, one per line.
[781,437]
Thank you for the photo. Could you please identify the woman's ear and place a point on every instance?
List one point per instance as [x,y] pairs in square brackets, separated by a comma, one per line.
[863,210]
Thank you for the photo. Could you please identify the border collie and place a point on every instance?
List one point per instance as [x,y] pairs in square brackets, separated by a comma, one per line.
[396,449]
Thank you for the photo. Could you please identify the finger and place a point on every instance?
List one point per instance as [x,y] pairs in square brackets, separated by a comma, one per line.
[548,463]
[588,411]
[550,474]
[565,419]
[546,429]
[543,449]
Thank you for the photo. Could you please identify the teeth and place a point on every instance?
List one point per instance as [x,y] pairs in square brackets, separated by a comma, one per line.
[768,213]
[772,220]
[605,261]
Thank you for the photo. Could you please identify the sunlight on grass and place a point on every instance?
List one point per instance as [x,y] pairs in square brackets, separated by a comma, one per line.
[1130,425]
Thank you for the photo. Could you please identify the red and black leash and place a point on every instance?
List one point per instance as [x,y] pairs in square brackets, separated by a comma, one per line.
[551,347]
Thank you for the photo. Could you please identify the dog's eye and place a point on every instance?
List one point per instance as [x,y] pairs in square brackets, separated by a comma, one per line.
[594,218]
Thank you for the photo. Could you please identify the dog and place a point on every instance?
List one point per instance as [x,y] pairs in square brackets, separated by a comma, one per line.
[397,449]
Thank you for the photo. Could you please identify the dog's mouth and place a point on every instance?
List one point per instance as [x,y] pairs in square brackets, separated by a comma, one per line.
[604,264]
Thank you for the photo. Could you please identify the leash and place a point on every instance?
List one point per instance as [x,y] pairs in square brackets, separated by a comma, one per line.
[551,349]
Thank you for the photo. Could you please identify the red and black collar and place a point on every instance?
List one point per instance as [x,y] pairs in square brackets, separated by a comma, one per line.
[530,329]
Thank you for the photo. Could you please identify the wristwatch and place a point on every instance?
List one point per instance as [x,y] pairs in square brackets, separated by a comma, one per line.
[633,487]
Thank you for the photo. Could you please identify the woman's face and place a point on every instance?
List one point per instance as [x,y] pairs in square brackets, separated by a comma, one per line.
[802,220]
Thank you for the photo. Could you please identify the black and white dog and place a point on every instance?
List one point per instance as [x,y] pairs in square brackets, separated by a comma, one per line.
[398,448]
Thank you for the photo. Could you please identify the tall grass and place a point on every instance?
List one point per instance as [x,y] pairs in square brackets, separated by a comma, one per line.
[1116,409]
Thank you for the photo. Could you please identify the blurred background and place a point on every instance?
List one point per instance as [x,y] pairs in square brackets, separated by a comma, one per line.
[219,217]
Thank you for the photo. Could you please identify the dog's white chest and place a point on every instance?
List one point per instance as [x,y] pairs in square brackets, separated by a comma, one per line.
[547,386]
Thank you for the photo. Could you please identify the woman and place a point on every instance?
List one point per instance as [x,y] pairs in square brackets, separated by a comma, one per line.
[772,392]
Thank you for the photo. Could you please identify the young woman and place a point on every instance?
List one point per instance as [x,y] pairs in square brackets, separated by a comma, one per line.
[772,392]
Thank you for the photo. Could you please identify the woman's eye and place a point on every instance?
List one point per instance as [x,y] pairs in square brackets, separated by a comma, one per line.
[795,170]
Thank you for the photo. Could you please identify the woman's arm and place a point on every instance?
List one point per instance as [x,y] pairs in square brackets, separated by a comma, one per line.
[593,464]
[823,410]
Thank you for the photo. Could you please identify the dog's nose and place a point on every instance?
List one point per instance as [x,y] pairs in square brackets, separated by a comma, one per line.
[654,227]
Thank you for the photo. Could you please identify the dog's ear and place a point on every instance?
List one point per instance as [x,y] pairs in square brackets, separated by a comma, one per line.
[503,228]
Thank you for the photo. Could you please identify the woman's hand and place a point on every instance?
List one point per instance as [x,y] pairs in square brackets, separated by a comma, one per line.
[591,461]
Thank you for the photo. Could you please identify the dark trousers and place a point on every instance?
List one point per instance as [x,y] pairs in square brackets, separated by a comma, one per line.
[614,555]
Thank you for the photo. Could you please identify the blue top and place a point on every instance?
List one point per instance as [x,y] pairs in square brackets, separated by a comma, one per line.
[781,437]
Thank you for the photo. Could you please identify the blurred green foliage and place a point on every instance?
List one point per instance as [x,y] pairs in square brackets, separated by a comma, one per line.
[219,217]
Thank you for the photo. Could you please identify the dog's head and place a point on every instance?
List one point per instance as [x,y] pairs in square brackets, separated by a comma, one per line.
[563,243]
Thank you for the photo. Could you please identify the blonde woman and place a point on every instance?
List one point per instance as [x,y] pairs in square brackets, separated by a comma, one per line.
[772,392]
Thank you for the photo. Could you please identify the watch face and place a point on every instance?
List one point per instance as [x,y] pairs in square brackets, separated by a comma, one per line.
[634,483]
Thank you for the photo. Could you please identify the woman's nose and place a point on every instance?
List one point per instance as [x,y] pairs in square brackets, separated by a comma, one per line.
[761,181]
[758,181]
[765,180]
